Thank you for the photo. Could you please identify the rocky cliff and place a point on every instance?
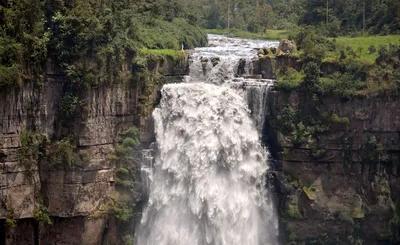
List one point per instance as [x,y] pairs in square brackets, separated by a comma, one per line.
[36,187]
[337,181]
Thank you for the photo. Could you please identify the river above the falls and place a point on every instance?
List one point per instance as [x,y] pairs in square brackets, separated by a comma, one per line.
[207,185]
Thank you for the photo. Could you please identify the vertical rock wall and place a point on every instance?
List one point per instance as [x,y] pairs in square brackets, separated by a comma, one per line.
[339,195]
[71,195]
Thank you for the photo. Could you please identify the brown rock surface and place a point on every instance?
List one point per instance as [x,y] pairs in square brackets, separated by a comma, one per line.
[71,194]
[332,192]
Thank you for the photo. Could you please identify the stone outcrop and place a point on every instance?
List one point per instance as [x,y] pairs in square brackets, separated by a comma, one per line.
[268,65]
[287,46]
[72,195]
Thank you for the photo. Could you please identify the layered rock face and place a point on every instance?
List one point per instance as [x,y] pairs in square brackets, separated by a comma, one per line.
[350,192]
[70,194]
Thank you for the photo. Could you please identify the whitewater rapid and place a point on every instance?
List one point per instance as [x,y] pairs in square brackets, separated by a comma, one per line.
[208,183]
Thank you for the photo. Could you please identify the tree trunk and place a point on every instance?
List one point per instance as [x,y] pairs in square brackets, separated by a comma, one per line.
[364,19]
[229,14]
[327,11]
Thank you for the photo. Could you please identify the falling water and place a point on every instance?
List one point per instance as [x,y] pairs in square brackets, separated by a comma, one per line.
[208,184]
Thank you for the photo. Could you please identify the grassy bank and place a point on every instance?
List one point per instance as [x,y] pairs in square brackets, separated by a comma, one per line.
[175,54]
[270,35]
[366,48]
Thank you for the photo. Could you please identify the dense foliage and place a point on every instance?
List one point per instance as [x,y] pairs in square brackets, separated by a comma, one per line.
[332,17]
[331,68]
[89,40]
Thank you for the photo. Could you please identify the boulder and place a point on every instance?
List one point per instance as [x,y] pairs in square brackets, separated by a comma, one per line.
[286,46]
[215,61]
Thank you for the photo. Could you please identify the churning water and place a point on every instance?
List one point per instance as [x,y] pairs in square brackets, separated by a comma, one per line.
[208,183]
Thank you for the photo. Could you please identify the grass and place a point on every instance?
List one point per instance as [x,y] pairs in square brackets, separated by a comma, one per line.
[175,54]
[360,45]
[270,35]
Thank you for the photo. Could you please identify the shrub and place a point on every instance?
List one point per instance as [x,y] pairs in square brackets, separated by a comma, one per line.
[11,222]
[289,79]
[128,240]
[41,215]
[371,49]
[32,148]
[123,212]
[62,152]
[9,75]
[69,104]
[287,119]
[373,151]
[312,79]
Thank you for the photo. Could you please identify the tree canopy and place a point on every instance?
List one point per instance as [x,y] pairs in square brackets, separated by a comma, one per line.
[87,35]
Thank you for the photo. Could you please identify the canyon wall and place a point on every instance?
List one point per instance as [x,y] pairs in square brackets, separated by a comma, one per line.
[343,187]
[72,196]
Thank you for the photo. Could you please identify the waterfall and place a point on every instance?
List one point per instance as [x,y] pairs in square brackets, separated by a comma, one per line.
[208,183]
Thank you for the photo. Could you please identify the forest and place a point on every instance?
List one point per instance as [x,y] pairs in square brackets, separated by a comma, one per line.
[87,39]
[90,41]
[332,17]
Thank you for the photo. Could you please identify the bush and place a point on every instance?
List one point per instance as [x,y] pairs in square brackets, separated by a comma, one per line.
[11,222]
[41,215]
[123,212]
[312,79]
[128,240]
[32,148]
[373,152]
[9,75]
[289,79]
[62,152]
[69,103]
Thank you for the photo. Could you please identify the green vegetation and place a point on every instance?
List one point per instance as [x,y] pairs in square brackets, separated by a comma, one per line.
[338,18]
[330,68]
[91,41]
[37,146]
[373,152]
[62,152]
[174,54]
[41,215]
[289,79]
[334,240]
[126,156]
[11,222]
[128,240]
[395,223]
[309,192]
[366,47]
[32,148]
[269,35]
[123,212]
[358,213]
[10,218]
[69,103]
[292,211]
[130,140]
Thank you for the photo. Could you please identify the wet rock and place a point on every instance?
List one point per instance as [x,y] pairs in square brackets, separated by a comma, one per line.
[215,61]
[241,67]
[267,51]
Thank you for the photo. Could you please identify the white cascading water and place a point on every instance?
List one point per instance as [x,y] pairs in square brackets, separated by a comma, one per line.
[208,183]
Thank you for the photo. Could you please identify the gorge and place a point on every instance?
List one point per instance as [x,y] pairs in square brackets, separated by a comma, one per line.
[342,195]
